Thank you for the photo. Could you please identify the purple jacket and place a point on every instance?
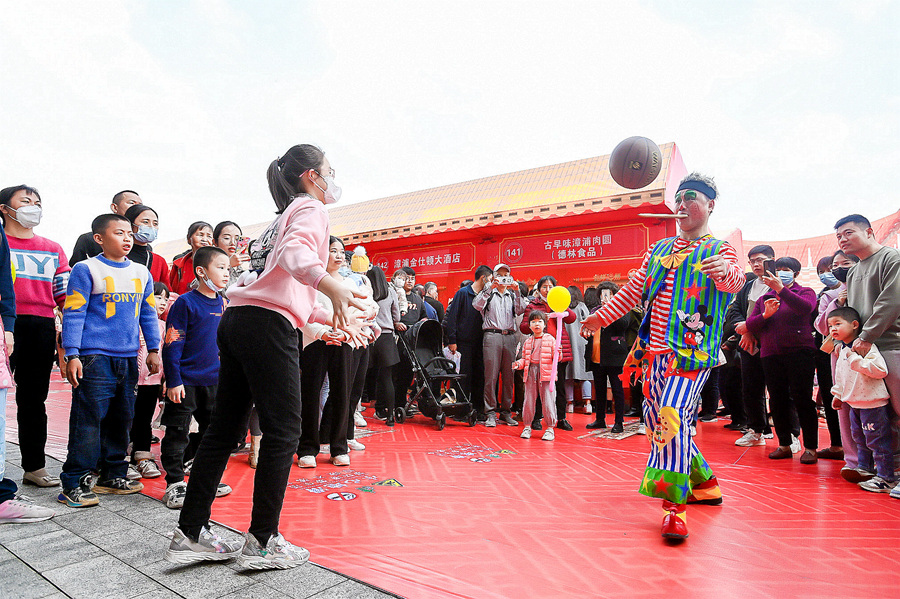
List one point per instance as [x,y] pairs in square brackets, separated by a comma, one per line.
[788,330]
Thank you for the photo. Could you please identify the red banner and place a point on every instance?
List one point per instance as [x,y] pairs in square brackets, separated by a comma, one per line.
[587,245]
[429,260]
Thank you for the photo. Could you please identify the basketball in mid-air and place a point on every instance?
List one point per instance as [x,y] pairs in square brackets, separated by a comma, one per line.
[635,162]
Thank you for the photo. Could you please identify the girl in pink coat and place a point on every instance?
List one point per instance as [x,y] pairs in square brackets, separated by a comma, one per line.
[540,376]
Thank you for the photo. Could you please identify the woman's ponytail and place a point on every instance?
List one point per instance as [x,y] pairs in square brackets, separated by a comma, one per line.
[285,173]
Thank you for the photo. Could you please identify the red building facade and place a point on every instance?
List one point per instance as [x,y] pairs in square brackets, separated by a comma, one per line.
[568,220]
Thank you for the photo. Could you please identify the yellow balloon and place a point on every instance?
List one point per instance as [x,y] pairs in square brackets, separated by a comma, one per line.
[559,299]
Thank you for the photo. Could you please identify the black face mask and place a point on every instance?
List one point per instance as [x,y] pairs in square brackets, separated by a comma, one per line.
[840,273]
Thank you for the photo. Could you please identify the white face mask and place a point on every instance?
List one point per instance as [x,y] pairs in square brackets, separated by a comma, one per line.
[28,216]
[332,191]
[208,282]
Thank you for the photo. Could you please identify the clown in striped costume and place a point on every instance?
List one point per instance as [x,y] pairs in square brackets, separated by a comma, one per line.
[684,285]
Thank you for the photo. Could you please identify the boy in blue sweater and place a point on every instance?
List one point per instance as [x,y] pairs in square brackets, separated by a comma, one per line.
[109,299]
[191,363]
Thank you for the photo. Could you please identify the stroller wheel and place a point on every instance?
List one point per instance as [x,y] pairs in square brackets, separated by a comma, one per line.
[473,418]
[400,415]
[442,422]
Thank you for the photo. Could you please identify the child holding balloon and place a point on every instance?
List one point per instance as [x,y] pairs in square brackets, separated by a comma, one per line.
[540,355]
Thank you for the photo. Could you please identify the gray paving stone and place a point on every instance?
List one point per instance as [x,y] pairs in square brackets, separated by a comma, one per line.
[300,582]
[103,576]
[14,532]
[91,522]
[18,581]
[257,591]
[196,580]
[135,547]
[350,589]
[53,550]
[159,594]
[159,522]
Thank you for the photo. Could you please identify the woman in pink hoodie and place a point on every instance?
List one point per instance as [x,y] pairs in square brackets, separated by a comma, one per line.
[259,364]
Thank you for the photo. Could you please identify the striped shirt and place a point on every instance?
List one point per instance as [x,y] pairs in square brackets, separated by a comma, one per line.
[629,296]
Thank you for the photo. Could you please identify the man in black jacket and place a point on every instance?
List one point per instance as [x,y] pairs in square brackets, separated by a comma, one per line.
[85,246]
[463,324]
[431,298]
[751,412]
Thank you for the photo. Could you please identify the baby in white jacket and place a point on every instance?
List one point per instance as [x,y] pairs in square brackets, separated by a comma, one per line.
[858,382]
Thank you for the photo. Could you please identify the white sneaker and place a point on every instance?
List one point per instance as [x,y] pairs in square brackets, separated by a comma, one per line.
[355,445]
[174,495]
[147,469]
[750,439]
[795,444]
[223,489]
[588,408]
[526,432]
[18,510]
[324,448]
[693,431]
[548,434]
[359,420]
[307,461]
[570,408]
[277,554]
[133,473]
[209,547]
[341,460]
[642,430]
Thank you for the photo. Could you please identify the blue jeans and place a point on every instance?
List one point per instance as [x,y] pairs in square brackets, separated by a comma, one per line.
[100,419]
[7,487]
[871,430]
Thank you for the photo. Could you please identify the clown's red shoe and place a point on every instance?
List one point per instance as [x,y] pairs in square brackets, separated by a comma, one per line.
[674,521]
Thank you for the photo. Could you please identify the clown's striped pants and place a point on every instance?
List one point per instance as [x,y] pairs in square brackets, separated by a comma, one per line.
[675,464]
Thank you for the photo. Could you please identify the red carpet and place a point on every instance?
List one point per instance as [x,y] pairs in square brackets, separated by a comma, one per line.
[476,512]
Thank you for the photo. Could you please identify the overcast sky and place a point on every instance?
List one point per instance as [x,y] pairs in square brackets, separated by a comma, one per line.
[794,107]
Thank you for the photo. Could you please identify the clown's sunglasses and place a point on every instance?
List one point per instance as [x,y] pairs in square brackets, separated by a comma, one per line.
[686,195]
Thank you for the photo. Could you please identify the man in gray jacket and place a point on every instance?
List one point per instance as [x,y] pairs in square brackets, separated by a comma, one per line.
[873,289]
[499,303]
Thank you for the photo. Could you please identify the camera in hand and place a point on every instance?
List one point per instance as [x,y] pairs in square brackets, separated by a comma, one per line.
[505,280]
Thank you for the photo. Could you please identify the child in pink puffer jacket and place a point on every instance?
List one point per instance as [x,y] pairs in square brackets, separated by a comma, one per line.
[540,374]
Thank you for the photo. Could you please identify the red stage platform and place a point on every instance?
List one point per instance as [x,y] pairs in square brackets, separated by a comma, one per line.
[481,513]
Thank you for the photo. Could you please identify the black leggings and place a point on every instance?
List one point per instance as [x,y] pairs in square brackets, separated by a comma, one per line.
[144,407]
[258,354]
[384,388]
[601,375]
[789,378]
[31,362]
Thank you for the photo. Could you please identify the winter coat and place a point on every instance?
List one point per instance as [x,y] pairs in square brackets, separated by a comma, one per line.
[548,345]
[575,369]
[539,303]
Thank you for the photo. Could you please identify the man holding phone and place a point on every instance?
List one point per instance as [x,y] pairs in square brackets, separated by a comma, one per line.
[753,386]
[499,303]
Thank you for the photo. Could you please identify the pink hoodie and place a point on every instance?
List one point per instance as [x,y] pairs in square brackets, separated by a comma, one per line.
[294,267]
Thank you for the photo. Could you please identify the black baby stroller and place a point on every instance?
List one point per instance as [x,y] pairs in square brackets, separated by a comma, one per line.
[438,392]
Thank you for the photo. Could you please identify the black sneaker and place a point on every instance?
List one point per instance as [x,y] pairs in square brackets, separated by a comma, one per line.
[80,496]
[708,418]
[536,425]
[118,486]
[617,428]
[735,426]
[381,415]
[597,424]
[564,425]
